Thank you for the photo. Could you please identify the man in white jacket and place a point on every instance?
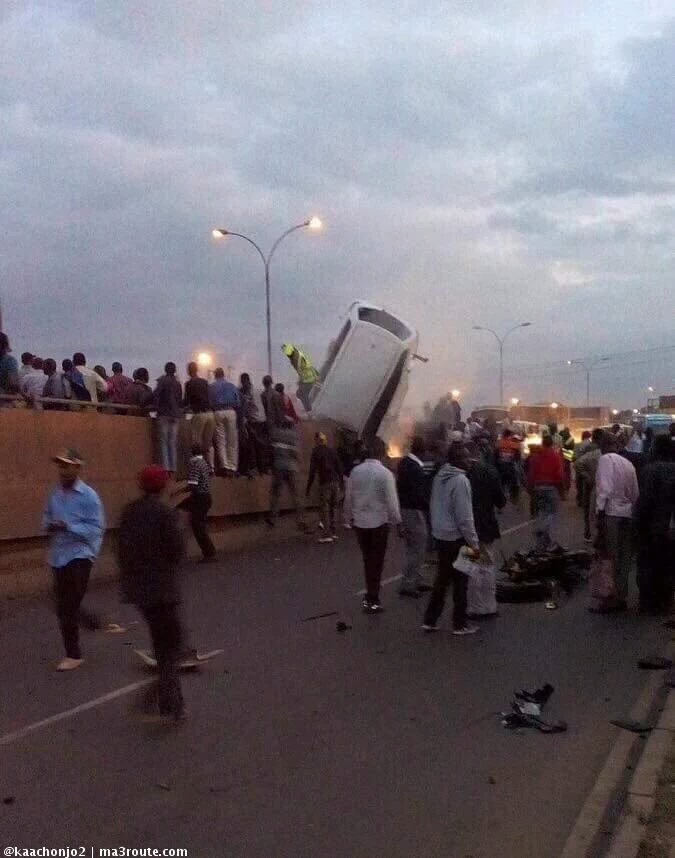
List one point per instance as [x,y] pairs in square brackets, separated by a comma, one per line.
[371,505]
[452,526]
[616,493]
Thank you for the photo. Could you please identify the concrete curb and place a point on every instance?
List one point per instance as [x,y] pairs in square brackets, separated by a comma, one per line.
[616,801]
[641,797]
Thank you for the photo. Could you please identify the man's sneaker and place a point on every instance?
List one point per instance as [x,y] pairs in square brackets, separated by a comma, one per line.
[69,663]
[322,526]
[325,540]
[428,627]
[371,607]
[334,537]
[114,629]
[588,538]
[465,630]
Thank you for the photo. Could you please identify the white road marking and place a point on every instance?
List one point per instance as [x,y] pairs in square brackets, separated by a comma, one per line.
[8,738]
[397,577]
[517,527]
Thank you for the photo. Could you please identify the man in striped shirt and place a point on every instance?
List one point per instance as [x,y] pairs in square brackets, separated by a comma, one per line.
[198,502]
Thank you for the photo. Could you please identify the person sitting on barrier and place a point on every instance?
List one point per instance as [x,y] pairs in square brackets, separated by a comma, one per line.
[33,383]
[56,386]
[26,365]
[92,380]
[119,384]
[140,392]
[9,369]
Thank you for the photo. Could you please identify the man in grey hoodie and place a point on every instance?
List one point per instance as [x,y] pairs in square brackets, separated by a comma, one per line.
[453,527]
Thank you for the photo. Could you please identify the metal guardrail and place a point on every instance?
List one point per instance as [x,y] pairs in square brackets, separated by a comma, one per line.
[72,404]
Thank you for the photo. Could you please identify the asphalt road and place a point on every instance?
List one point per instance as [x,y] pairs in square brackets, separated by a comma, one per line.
[379,741]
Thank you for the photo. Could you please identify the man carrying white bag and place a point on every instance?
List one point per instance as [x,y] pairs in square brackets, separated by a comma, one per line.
[486,495]
[482,590]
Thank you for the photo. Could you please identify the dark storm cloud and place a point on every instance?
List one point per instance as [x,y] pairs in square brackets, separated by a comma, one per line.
[511,162]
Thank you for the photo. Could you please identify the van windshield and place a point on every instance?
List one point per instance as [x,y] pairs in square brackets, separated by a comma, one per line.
[386,321]
[333,350]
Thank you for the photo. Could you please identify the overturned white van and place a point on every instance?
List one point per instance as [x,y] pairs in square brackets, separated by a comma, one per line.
[364,378]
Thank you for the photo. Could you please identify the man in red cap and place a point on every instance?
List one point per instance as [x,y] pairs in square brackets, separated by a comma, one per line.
[149,552]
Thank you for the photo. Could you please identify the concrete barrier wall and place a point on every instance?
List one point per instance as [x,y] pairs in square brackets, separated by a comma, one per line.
[115,448]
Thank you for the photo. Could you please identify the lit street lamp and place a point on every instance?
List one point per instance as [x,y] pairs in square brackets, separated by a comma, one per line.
[514,400]
[204,361]
[554,405]
[588,367]
[455,393]
[501,340]
[313,224]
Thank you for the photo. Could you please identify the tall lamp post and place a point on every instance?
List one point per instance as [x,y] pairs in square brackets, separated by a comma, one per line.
[588,365]
[314,224]
[501,340]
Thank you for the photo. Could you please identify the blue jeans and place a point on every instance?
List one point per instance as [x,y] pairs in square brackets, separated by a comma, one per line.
[168,441]
[545,509]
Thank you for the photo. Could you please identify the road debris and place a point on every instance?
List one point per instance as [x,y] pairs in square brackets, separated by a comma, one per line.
[526,709]
[320,616]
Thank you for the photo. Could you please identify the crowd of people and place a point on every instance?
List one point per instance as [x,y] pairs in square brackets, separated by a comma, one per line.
[233,425]
[444,495]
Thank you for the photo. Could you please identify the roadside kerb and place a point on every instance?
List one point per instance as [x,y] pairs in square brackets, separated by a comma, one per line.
[617,799]
[641,797]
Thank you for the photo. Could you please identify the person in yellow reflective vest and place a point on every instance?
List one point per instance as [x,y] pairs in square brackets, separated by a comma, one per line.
[568,454]
[308,375]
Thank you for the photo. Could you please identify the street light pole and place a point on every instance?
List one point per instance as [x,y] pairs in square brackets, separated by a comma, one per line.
[501,341]
[313,223]
[588,367]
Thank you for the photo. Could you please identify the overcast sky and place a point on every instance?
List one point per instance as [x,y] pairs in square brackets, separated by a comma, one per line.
[474,163]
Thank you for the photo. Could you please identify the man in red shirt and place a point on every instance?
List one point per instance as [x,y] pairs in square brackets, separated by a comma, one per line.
[119,385]
[287,402]
[546,484]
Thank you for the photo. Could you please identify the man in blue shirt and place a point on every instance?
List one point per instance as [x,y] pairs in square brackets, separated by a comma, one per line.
[226,404]
[9,369]
[74,518]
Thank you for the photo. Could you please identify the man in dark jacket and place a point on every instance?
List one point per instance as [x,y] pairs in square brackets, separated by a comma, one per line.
[140,392]
[149,553]
[655,512]
[168,400]
[413,484]
[285,467]
[325,464]
[486,495]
